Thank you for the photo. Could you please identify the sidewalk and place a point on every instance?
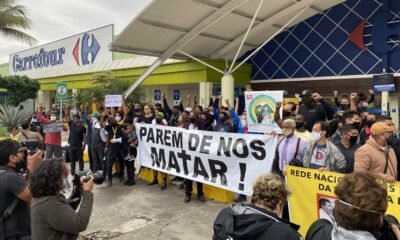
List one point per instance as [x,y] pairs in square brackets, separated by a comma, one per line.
[144,212]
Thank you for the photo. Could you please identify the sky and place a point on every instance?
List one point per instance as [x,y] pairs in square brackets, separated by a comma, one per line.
[56,19]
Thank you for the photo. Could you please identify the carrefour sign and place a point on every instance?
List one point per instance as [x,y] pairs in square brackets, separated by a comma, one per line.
[79,50]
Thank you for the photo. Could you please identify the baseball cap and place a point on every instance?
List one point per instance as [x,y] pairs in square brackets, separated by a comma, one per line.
[306,93]
[381,127]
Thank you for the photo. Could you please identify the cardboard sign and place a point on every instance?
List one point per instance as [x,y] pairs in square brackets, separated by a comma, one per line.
[113,100]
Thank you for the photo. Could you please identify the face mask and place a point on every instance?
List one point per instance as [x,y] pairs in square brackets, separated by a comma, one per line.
[77,122]
[353,140]
[389,141]
[176,114]
[158,121]
[118,118]
[137,110]
[344,106]
[370,123]
[286,114]
[34,118]
[67,184]
[299,125]
[21,164]
[212,113]
[192,120]
[309,102]
[357,125]
[365,105]
[286,132]
[53,118]
[315,136]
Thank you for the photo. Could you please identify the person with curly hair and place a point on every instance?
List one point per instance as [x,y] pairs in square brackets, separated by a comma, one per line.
[52,217]
[262,218]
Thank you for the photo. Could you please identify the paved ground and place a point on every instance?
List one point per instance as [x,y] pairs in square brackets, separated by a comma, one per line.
[145,212]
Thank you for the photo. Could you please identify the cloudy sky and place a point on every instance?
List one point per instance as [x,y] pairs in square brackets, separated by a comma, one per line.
[56,19]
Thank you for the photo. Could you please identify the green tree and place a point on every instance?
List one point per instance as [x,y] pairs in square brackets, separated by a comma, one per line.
[12,19]
[19,88]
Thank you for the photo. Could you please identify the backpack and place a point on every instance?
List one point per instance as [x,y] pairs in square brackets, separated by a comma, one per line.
[320,230]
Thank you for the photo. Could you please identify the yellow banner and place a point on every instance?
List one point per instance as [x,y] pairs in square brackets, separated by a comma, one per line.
[310,187]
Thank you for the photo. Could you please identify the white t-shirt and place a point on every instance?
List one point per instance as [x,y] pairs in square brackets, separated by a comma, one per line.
[319,156]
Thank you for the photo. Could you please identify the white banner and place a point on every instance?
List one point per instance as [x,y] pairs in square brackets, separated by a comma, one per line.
[79,50]
[260,108]
[113,100]
[225,160]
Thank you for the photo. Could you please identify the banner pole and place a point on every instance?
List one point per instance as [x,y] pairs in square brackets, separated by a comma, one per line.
[60,109]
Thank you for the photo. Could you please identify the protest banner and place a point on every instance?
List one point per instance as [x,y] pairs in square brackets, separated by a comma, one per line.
[53,127]
[113,100]
[313,196]
[261,108]
[226,160]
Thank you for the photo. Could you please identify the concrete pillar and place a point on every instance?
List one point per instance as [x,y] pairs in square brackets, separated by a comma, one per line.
[205,93]
[394,109]
[228,88]
[385,101]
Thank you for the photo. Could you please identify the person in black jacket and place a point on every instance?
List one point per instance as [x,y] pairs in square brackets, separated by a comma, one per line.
[261,219]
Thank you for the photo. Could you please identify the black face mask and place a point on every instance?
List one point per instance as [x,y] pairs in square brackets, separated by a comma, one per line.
[357,125]
[158,121]
[344,106]
[192,120]
[286,113]
[176,114]
[21,164]
[389,141]
[299,125]
[137,110]
[309,102]
[353,140]
[370,123]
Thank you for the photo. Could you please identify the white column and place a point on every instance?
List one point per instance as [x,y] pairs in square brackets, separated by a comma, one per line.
[74,92]
[40,98]
[385,101]
[394,109]
[205,93]
[228,88]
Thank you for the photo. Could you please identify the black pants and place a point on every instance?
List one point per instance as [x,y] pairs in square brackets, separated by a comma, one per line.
[90,157]
[97,150]
[114,154]
[76,155]
[130,169]
[189,187]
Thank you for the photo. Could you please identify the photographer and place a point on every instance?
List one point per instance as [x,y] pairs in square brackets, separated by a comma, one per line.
[14,191]
[359,212]
[52,215]
[27,134]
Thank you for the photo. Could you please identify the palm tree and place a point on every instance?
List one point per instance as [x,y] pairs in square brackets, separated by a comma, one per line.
[13,18]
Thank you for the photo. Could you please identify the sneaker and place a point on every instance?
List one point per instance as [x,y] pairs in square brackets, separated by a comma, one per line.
[188,198]
[108,183]
[131,183]
[201,198]
[164,186]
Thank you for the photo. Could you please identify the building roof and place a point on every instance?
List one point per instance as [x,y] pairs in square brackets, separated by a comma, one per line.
[167,26]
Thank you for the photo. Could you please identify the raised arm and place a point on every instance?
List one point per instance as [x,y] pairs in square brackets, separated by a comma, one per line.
[165,105]
[236,105]
[40,115]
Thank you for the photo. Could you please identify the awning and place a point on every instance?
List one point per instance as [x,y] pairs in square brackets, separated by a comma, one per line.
[164,22]
[216,29]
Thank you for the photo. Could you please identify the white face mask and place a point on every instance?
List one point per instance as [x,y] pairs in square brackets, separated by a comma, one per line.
[53,118]
[117,118]
[316,136]
[286,132]
[364,104]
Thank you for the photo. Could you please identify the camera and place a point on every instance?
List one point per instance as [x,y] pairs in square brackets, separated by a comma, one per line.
[77,191]
[31,145]
[386,232]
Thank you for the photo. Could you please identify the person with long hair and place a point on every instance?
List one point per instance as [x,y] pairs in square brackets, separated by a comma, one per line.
[52,217]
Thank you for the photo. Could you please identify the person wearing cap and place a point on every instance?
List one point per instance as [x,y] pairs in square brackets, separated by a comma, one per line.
[377,156]
[312,111]
[14,189]
[76,141]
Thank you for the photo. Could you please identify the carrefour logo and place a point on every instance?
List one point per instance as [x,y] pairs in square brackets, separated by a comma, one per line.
[85,51]
[82,56]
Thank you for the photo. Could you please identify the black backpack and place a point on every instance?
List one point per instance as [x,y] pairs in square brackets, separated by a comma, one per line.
[320,230]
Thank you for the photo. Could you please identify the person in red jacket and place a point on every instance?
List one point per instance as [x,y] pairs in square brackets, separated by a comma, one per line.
[52,139]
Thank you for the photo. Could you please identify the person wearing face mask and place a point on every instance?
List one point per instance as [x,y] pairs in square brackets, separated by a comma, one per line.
[261,219]
[290,148]
[310,110]
[366,131]
[377,156]
[348,146]
[343,104]
[52,215]
[76,141]
[148,116]
[300,131]
[349,117]
[322,154]
[52,139]
[14,189]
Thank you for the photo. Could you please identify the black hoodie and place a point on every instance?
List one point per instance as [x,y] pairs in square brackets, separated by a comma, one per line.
[248,222]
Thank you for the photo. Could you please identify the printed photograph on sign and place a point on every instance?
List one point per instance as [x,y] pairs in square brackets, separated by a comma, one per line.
[326,204]
[261,110]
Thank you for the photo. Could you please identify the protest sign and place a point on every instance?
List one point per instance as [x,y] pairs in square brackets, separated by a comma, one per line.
[113,100]
[226,160]
[53,127]
[261,108]
[313,196]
